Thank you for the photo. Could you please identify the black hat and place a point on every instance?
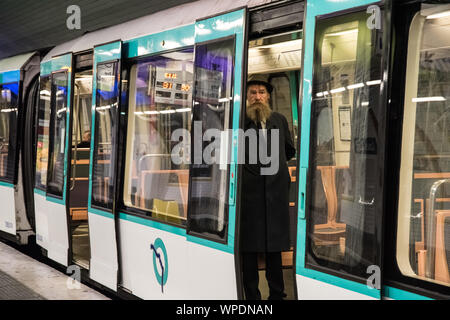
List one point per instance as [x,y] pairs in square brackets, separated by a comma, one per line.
[259,79]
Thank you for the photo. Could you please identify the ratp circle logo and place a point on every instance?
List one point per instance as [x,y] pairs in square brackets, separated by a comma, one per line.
[163,263]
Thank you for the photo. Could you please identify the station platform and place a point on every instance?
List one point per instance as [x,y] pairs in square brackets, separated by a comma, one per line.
[23,278]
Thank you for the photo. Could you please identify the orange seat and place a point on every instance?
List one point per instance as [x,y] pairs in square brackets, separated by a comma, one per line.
[330,232]
[79,213]
[441,268]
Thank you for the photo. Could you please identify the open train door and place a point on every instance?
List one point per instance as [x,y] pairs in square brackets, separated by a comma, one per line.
[103,164]
[218,83]
[339,245]
[52,227]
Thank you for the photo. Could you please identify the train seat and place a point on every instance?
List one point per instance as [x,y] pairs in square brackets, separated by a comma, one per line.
[78,201]
[441,267]
[166,211]
[442,253]
[165,190]
[3,163]
[331,232]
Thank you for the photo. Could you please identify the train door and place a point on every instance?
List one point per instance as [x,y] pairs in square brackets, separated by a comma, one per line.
[103,159]
[14,81]
[274,55]
[52,221]
[177,224]
[28,147]
[342,143]
[80,142]
[217,96]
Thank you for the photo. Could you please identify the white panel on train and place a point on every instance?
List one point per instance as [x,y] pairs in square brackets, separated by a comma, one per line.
[101,229]
[211,273]
[312,289]
[41,210]
[58,237]
[7,213]
[141,267]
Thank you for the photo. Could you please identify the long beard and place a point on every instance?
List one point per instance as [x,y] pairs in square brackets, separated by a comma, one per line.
[258,112]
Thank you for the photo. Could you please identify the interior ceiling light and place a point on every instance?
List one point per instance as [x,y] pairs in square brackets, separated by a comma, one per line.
[439,15]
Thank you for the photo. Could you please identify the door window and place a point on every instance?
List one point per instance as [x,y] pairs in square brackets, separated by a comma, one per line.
[43,133]
[8,129]
[343,226]
[105,127]
[213,98]
[55,181]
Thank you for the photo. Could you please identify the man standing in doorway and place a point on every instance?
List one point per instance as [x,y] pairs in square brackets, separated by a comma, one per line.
[265,198]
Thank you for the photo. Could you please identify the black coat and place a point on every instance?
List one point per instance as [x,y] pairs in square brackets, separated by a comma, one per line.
[265,198]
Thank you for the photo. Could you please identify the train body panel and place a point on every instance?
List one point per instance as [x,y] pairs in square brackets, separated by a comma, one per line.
[149,247]
[8,212]
[205,275]
[58,239]
[23,224]
[313,289]
[154,261]
[152,24]
[103,249]
[41,216]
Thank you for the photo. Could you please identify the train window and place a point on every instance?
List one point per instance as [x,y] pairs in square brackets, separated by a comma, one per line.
[55,180]
[43,131]
[342,218]
[8,129]
[423,235]
[82,110]
[107,96]
[213,99]
[160,102]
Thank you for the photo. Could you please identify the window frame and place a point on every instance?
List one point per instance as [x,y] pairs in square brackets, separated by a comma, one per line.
[52,136]
[112,182]
[379,210]
[36,129]
[12,178]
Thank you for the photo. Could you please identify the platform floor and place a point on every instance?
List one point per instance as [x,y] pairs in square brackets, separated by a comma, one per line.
[23,278]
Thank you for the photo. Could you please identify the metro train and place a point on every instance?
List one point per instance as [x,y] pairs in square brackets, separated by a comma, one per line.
[86,148]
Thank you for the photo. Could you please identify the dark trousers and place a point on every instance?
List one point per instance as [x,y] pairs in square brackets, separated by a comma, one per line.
[274,275]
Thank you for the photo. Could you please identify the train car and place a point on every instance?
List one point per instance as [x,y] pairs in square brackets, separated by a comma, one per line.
[114,181]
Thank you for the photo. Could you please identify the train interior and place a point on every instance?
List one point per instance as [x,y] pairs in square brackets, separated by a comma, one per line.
[278,58]
[80,158]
